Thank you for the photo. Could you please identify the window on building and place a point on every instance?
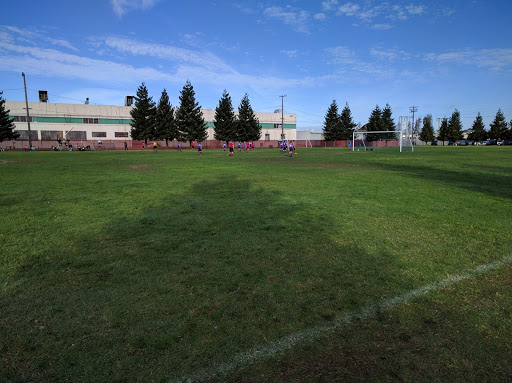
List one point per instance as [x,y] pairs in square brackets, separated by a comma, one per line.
[51,135]
[267,137]
[99,134]
[24,134]
[76,135]
[277,126]
[90,120]
[21,119]
[121,134]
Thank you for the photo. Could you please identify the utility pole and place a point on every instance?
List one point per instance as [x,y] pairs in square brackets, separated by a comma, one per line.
[282,116]
[413,109]
[28,115]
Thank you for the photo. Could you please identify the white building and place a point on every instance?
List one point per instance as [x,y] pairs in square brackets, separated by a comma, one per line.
[89,124]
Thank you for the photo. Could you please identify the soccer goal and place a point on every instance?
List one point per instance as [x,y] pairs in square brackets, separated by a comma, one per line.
[394,140]
[376,140]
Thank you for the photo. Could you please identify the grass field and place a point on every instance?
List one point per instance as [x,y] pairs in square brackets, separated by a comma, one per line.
[142,266]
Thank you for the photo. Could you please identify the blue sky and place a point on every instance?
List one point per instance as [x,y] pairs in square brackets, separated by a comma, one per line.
[436,55]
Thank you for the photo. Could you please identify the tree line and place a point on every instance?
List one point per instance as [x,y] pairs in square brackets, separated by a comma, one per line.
[340,126]
[451,128]
[151,121]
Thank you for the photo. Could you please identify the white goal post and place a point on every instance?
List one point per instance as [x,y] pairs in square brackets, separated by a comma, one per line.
[404,139]
[361,137]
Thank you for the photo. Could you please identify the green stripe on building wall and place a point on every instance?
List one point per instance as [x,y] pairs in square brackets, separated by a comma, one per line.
[266,125]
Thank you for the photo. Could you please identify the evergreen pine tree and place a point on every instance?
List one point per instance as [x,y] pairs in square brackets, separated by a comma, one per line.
[442,135]
[454,127]
[478,132]
[347,125]
[165,126]
[225,119]
[387,123]
[427,132]
[374,123]
[248,126]
[143,116]
[498,127]
[189,117]
[332,123]
[7,127]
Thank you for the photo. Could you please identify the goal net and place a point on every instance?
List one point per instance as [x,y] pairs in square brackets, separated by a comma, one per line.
[392,140]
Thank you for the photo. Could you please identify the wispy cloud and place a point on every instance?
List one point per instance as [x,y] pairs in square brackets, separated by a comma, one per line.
[341,55]
[393,54]
[350,64]
[290,53]
[492,59]
[170,53]
[329,5]
[120,7]
[368,11]
[295,18]
[180,64]
[33,37]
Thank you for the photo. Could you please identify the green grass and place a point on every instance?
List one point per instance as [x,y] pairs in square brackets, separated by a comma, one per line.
[141,266]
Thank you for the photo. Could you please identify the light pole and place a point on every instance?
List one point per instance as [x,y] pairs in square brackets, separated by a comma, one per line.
[28,115]
[282,116]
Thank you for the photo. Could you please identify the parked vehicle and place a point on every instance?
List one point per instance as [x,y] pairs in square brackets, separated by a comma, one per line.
[470,143]
[461,143]
[433,143]
[481,143]
[491,142]
[450,143]
[500,142]
[507,142]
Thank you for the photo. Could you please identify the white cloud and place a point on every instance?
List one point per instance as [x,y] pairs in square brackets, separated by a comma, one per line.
[349,9]
[393,54]
[120,7]
[368,11]
[329,5]
[290,53]
[492,59]
[320,16]
[170,53]
[10,33]
[341,55]
[295,18]
[187,64]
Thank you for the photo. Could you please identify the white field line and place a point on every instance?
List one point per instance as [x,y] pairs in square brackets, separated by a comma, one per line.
[269,350]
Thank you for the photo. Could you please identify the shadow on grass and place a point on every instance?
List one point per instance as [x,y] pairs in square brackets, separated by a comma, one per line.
[184,283]
[496,185]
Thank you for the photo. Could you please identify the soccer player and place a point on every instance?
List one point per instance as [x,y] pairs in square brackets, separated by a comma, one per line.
[192,145]
[231,148]
[155,146]
[199,149]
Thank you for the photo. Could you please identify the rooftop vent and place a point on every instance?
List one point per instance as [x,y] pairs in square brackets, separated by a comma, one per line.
[128,101]
[43,96]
